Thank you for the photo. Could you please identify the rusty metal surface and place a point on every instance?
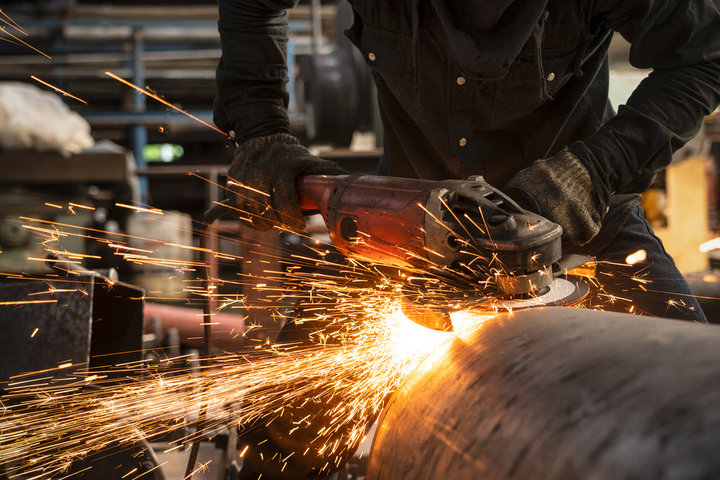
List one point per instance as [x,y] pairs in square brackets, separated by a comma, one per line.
[89,322]
[560,393]
[63,328]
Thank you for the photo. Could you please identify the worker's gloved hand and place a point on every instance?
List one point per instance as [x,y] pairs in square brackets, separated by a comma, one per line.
[261,180]
[560,189]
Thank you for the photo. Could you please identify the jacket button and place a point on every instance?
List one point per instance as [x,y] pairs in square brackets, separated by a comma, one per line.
[371,56]
[462,142]
[461,80]
[550,77]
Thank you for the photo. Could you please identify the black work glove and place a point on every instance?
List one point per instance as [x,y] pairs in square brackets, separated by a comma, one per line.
[560,189]
[261,180]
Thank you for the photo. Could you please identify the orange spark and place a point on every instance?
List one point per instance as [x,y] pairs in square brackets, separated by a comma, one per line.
[52,260]
[11,22]
[637,257]
[4,30]
[58,90]
[233,183]
[164,102]
[156,211]
[77,205]
[26,302]
[53,290]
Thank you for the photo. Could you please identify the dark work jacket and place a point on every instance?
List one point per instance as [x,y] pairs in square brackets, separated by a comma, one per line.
[487,87]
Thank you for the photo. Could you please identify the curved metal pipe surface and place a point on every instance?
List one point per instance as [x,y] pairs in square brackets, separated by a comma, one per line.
[228,331]
[559,393]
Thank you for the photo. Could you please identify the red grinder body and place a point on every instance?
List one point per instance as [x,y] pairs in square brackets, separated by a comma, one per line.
[369,216]
[465,228]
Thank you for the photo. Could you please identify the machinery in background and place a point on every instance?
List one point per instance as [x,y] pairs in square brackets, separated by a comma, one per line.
[81,190]
[174,52]
[687,220]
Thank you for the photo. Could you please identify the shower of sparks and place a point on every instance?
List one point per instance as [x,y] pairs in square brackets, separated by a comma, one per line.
[63,92]
[53,423]
[360,350]
[163,101]
[324,391]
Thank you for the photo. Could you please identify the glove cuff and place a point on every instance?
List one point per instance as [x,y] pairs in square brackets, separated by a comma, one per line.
[569,170]
[560,188]
[248,147]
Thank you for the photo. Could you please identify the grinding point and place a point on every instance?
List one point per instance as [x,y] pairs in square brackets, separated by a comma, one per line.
[566,291]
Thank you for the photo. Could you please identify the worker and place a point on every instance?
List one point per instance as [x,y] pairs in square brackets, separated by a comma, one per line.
[514,90]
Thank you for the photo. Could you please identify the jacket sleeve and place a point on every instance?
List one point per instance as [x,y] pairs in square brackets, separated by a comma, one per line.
[251,75]
[680,41]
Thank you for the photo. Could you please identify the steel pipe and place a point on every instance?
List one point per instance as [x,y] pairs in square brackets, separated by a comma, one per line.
[560,393]
[190,322]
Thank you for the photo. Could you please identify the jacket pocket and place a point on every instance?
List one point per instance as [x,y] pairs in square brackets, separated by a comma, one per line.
[532,82]
[558,67]
[387,53]
[381,49]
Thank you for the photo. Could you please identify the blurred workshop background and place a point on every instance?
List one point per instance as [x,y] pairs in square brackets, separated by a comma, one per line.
[78,145]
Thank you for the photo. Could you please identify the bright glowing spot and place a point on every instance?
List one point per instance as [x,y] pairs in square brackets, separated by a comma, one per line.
[710,245]
[408,337]
[465,322]
[637,257]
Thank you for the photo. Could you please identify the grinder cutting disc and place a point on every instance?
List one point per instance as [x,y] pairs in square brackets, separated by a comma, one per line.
[565,291]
